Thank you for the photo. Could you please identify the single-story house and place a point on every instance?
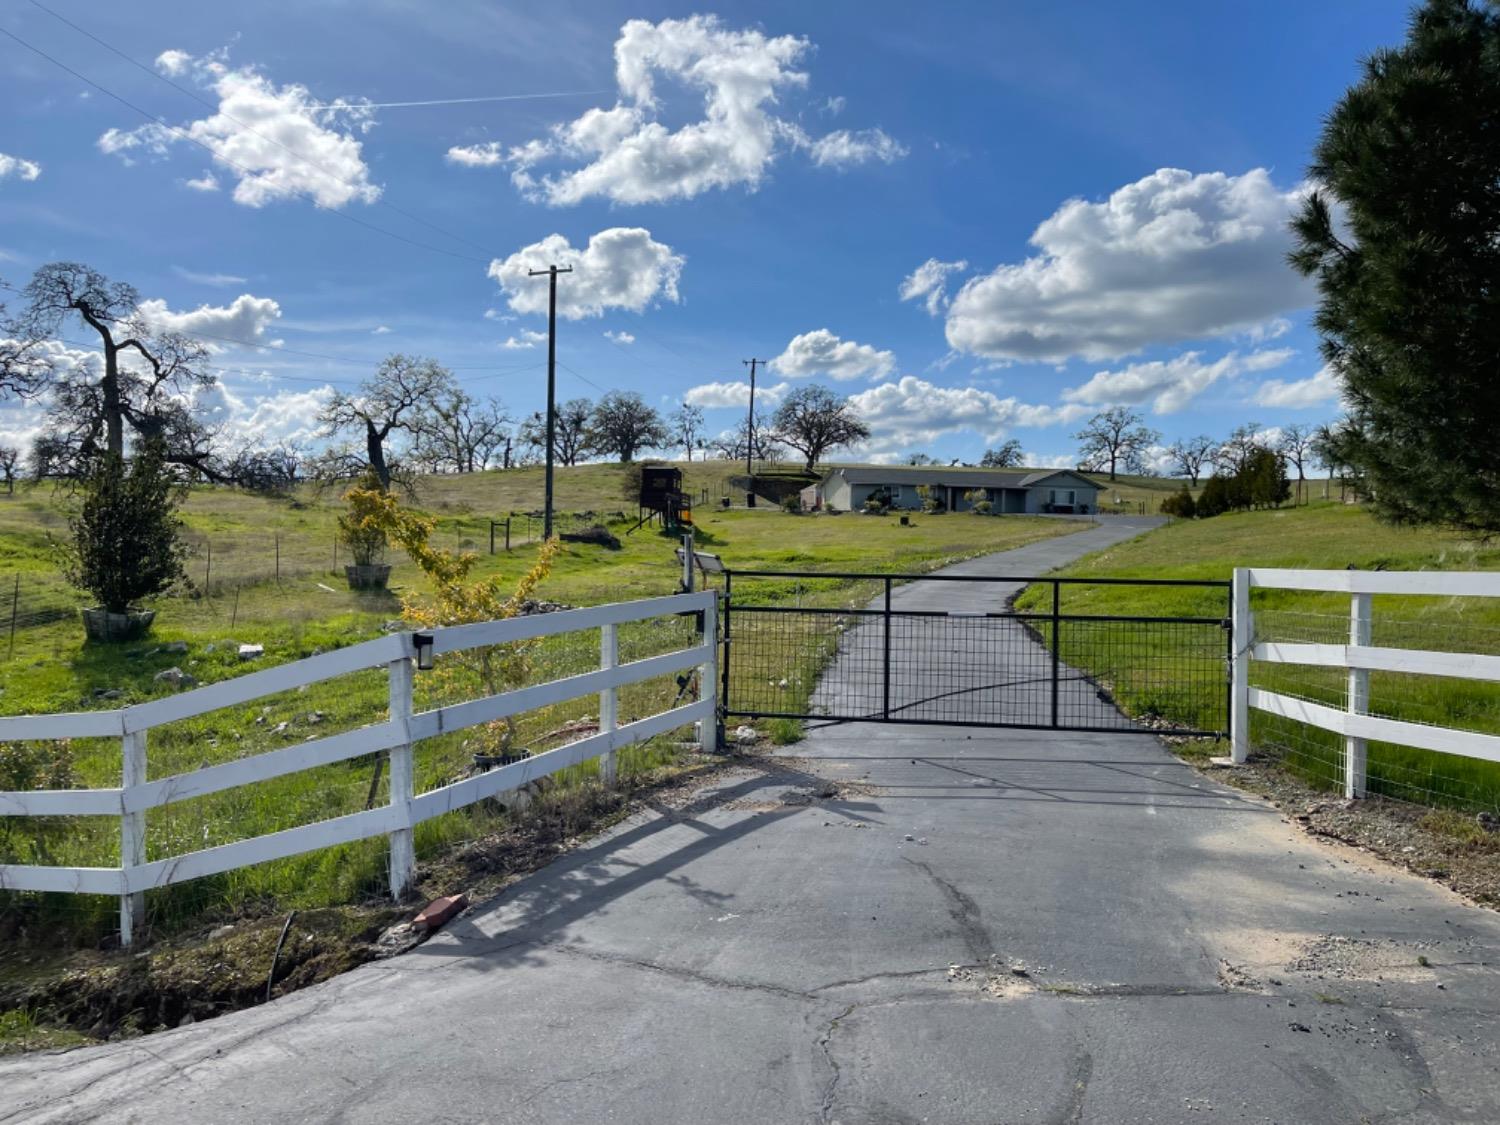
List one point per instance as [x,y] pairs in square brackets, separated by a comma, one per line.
[1009,491]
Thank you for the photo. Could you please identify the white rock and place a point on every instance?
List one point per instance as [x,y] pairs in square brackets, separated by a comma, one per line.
[251,652]
[745,734]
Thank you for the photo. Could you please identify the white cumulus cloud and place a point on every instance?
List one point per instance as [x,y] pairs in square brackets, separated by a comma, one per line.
[820,352]
[928,283]
[711,395]
[242,321]
[621,268]
[912,412]
[1173,256]
[846,148]
[1169,385]
[276,142]
[619,337]
[527,338]
[626,153]
[485,155]
[206,182]
[1299,394]
[20,169]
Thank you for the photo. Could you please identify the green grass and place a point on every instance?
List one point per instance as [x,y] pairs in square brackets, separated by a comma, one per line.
[1320,536]
[310,610]
[20,1031]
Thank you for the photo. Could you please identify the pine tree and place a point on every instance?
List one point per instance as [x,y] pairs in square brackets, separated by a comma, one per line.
[1403,238]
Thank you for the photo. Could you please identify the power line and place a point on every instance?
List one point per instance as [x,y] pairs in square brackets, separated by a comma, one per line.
[175,131]
[217,108]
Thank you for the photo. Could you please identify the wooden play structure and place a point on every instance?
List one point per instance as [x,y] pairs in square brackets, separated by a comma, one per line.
[662,499]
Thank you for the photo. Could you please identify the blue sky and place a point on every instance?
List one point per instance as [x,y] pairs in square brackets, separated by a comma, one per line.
[1098,193]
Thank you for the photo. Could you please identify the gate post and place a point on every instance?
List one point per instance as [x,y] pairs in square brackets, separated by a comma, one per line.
[885,706]
[609,657]
[1056,646]
[132,836]
[403,855]
[1242,637]
[1356,752]
[722,710]
[709,734]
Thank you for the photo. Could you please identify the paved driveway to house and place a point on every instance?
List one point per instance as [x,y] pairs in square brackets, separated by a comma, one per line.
[984,926]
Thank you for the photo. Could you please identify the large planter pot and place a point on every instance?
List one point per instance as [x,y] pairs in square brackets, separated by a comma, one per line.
[371,577]
[99,624]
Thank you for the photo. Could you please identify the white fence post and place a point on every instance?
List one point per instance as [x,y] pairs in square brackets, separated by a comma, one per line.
[403,859]
[708,678]
[1355,749]
[132,833]
[1242,636]
[609,657]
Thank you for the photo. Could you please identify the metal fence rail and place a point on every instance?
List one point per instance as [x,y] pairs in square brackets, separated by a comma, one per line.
[401,728]
[900,660]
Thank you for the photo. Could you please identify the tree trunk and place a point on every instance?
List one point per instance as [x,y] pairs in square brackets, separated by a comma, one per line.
[375,449]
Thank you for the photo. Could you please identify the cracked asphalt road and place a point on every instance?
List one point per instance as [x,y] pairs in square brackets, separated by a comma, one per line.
[1091,932]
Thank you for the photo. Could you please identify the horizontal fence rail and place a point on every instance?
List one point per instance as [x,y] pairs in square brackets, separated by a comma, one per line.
[1358,659]
[135,796]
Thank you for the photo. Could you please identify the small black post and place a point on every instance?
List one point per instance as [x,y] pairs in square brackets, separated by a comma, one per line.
[236,610]
[507,533]
[885,706]
[492,537]
[335,554]
[208,565]
[277,535]
[15,605]
[1056,644]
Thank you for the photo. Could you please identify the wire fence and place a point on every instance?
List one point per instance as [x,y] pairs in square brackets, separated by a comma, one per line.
[1402,773]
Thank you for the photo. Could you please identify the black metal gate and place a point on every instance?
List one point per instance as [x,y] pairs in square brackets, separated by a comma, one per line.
[1021,652]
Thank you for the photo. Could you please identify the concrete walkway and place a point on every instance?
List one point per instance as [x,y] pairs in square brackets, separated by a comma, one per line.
[983,927]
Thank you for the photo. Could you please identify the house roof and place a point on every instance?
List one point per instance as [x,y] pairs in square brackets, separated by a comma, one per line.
[957,477]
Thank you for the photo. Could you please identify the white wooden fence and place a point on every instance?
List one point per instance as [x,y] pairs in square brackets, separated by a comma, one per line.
[1358,658]
[402,727]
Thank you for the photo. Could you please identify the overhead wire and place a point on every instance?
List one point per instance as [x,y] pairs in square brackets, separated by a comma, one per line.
[175,131]
[218,109]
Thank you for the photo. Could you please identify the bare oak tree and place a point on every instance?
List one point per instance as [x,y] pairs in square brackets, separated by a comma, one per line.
[1192,455]
[686,424]
[1244,442]
[1115,439]
[391,401]
[1295,446]
[813,420]
[570,435]
[9,457]
[143,381]
[458,433]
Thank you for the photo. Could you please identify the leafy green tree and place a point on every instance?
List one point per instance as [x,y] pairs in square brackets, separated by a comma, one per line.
[1214,499]
[127,542]
[1403,239]
[813,420]
[1008,456]
[1180,504]
[1263,481]
[623,424]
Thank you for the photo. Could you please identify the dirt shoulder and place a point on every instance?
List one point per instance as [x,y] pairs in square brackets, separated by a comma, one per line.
[51,998]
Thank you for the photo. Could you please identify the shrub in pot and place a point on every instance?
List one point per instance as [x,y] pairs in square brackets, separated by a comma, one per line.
[362,531]
[127,542]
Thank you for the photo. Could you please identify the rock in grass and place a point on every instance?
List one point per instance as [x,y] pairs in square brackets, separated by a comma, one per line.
[252,652]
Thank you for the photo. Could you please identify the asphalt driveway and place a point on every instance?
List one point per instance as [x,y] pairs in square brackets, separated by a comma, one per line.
[983,926]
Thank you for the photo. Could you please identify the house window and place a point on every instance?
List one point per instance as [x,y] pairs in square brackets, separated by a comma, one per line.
[1063,496]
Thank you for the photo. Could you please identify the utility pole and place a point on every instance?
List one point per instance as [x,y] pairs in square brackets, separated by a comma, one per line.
[750,436]
[551,271]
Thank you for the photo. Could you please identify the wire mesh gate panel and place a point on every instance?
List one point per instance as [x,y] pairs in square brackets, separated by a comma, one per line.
[905,656]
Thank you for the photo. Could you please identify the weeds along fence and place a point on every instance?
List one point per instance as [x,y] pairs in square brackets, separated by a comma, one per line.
[1372,682]
[245,780]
